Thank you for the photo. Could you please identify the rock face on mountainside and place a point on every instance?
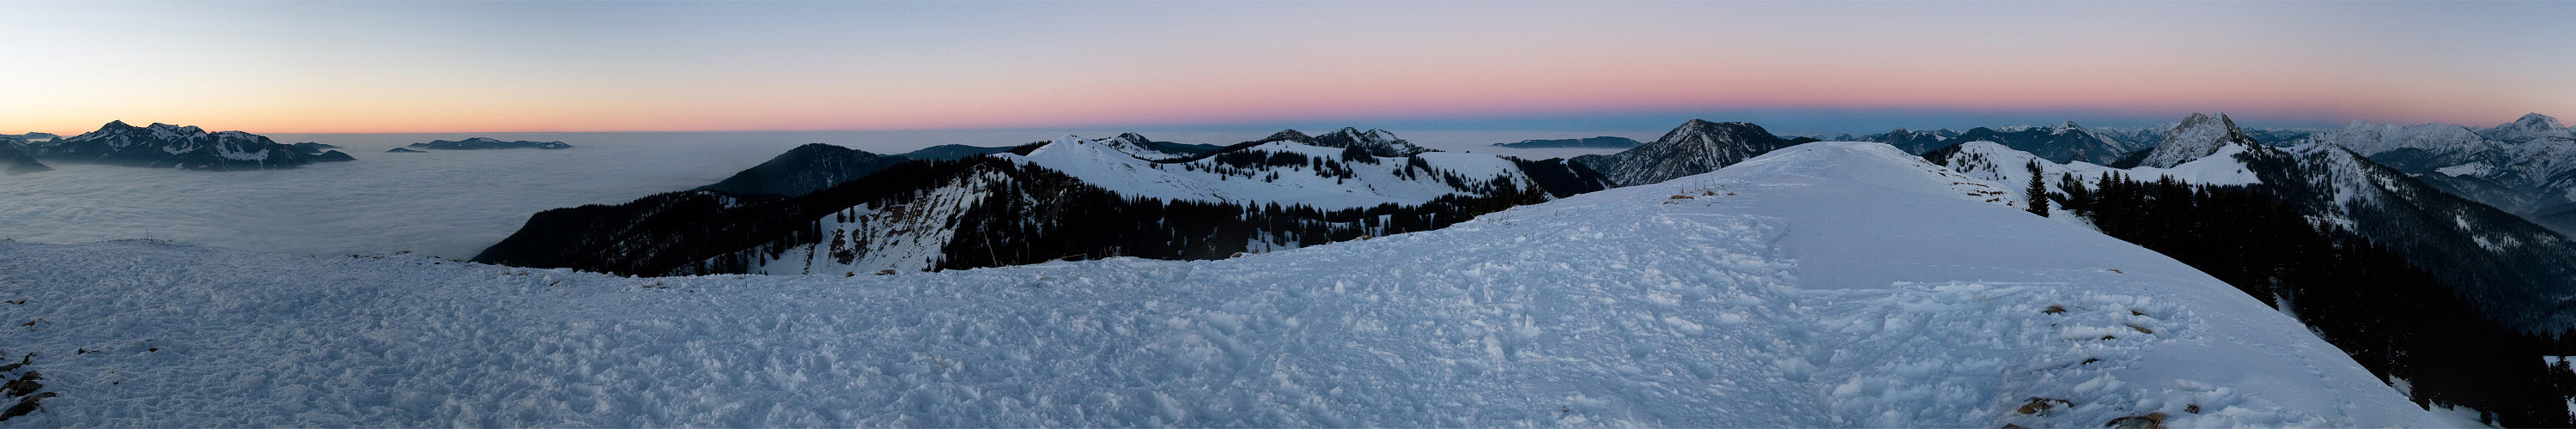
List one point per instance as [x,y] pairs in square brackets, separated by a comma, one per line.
[15,157]
[1695,147]
[484,143]
[1590,142]
[172,146]
[807,168]
[2196,137]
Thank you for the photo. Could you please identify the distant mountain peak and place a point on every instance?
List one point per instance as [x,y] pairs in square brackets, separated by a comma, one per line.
[2529,127]
[2197,136]
[1288,134]
[1697,146]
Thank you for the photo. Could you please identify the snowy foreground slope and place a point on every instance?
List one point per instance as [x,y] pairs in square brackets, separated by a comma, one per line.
[1830,284]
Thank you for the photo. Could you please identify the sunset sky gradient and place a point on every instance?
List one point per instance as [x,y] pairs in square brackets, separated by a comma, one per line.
[1813,66]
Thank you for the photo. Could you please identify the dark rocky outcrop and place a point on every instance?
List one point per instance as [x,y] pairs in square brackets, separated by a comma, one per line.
[483,143]
[807,168]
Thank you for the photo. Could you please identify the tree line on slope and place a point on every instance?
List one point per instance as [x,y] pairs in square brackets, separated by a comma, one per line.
[2395,319]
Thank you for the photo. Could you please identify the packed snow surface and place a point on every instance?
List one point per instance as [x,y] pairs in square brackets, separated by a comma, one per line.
[1832,284]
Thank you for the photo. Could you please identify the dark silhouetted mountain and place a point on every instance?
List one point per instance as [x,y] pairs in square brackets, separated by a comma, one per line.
[954,151]
[404,150]
[482,143]
[1911,141]
[1600,142]
[171,146]
[807,168]
[1696,147]
[320,152]
[15,157]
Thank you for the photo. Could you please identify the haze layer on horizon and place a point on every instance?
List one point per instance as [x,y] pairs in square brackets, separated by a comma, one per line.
[1808,66]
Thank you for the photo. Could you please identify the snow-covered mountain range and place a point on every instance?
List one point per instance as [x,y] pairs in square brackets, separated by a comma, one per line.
[180,147]
[1071,197]
[2059,143]
[1828,284]
[2527,167]
[2062,143]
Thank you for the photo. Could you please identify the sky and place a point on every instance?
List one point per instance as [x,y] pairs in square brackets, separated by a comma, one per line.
[341,67]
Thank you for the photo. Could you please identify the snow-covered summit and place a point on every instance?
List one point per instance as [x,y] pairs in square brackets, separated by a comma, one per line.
[2196,137]
[2529,127]
[1819,285]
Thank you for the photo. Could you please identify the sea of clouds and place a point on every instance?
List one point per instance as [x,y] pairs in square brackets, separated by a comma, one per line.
[455,203]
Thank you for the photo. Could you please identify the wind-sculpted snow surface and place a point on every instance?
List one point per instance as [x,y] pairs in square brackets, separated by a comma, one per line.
[1822,285]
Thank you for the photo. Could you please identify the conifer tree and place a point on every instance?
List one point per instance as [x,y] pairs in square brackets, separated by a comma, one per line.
[2038,193]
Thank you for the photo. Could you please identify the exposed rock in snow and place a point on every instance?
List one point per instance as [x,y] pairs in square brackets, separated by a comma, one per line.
[1820,285]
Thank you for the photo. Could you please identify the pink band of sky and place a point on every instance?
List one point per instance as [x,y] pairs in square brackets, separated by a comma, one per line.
[440,67]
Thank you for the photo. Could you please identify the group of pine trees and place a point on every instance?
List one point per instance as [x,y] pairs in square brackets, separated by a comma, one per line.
[2395,319]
